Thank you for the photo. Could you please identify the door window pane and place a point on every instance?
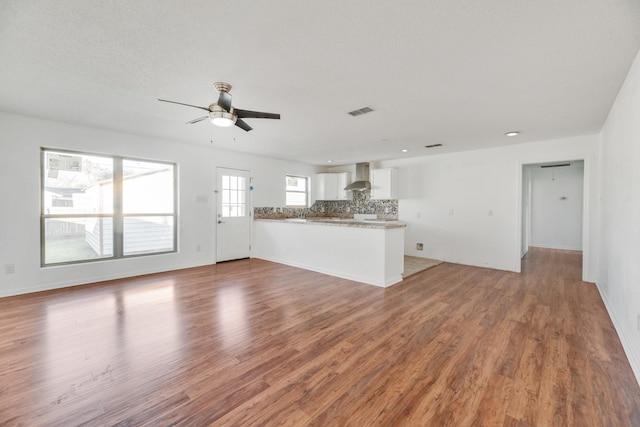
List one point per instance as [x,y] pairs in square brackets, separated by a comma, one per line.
[234,196]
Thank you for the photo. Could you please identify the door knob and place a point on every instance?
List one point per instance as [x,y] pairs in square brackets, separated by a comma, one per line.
[220,222]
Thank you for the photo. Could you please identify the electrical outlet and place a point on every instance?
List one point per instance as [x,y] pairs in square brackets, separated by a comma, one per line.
[419,246]
[9,268]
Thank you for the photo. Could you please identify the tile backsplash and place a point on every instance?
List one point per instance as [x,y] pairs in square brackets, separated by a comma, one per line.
[361,204]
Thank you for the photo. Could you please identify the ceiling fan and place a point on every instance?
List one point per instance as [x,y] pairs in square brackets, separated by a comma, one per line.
[223,114]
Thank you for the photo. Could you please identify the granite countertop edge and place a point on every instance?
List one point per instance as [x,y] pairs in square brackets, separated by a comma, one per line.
[379,224]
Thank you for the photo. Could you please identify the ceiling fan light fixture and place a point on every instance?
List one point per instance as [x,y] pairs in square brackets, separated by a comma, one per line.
[223,114]
[222,118]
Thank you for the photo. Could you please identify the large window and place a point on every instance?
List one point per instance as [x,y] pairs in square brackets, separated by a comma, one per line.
[297,191]
[96,207]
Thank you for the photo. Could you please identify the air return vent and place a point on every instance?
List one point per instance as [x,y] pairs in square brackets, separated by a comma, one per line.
[433,145]
[361,111]
[561,165]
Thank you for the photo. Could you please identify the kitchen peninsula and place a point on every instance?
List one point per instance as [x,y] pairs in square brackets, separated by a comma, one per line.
[367,251]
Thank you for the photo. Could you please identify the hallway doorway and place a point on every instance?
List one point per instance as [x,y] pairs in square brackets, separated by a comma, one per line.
[552,206]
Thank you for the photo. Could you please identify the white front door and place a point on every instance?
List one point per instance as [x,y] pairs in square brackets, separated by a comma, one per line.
[233,229]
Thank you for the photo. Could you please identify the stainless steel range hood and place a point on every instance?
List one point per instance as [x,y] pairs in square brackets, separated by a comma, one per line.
[362,178]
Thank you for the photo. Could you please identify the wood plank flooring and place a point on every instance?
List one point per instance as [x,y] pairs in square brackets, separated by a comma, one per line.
[254,343]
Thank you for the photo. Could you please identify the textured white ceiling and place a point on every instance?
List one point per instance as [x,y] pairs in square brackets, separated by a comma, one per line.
[459,73]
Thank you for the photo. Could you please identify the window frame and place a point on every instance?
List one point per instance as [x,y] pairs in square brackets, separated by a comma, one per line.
[237,191]
[306,192]
[117,214]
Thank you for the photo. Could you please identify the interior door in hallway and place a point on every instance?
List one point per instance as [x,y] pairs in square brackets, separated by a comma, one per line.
[233,217]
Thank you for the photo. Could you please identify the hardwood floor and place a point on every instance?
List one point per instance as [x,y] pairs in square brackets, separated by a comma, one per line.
[256,343]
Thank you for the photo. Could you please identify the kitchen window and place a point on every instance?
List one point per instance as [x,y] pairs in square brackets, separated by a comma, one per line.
[103,207]
[297,191]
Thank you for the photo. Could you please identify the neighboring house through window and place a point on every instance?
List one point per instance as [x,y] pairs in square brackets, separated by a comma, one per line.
[297,191]
[103,207]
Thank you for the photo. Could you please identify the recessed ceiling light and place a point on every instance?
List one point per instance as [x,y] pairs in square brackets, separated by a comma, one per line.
[329,161]
[404,150]
[513,133]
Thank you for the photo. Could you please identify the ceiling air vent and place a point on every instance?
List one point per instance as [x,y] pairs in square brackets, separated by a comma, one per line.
[561,165]
[361,111]
[433,145]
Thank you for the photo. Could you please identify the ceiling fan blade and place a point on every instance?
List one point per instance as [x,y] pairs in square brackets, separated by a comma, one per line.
[182,103]
[243,125]
[246,114]
[224,100]
[199,119]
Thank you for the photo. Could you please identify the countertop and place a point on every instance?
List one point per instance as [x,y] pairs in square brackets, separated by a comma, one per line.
[340,222]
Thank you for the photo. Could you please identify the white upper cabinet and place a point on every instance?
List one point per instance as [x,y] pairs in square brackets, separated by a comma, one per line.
[330,186]
[384,183]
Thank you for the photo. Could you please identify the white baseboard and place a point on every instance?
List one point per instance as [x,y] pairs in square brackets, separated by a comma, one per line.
[632,355]
[94,279]
[564,248]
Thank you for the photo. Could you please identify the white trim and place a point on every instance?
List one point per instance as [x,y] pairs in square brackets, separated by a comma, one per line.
[94,279]
[587,275]
[564,248]
[632,356]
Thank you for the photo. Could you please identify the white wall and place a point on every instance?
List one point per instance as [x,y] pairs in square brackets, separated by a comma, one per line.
[525,225]
[619,279]
[556,206]
[20,142]
[466,207]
